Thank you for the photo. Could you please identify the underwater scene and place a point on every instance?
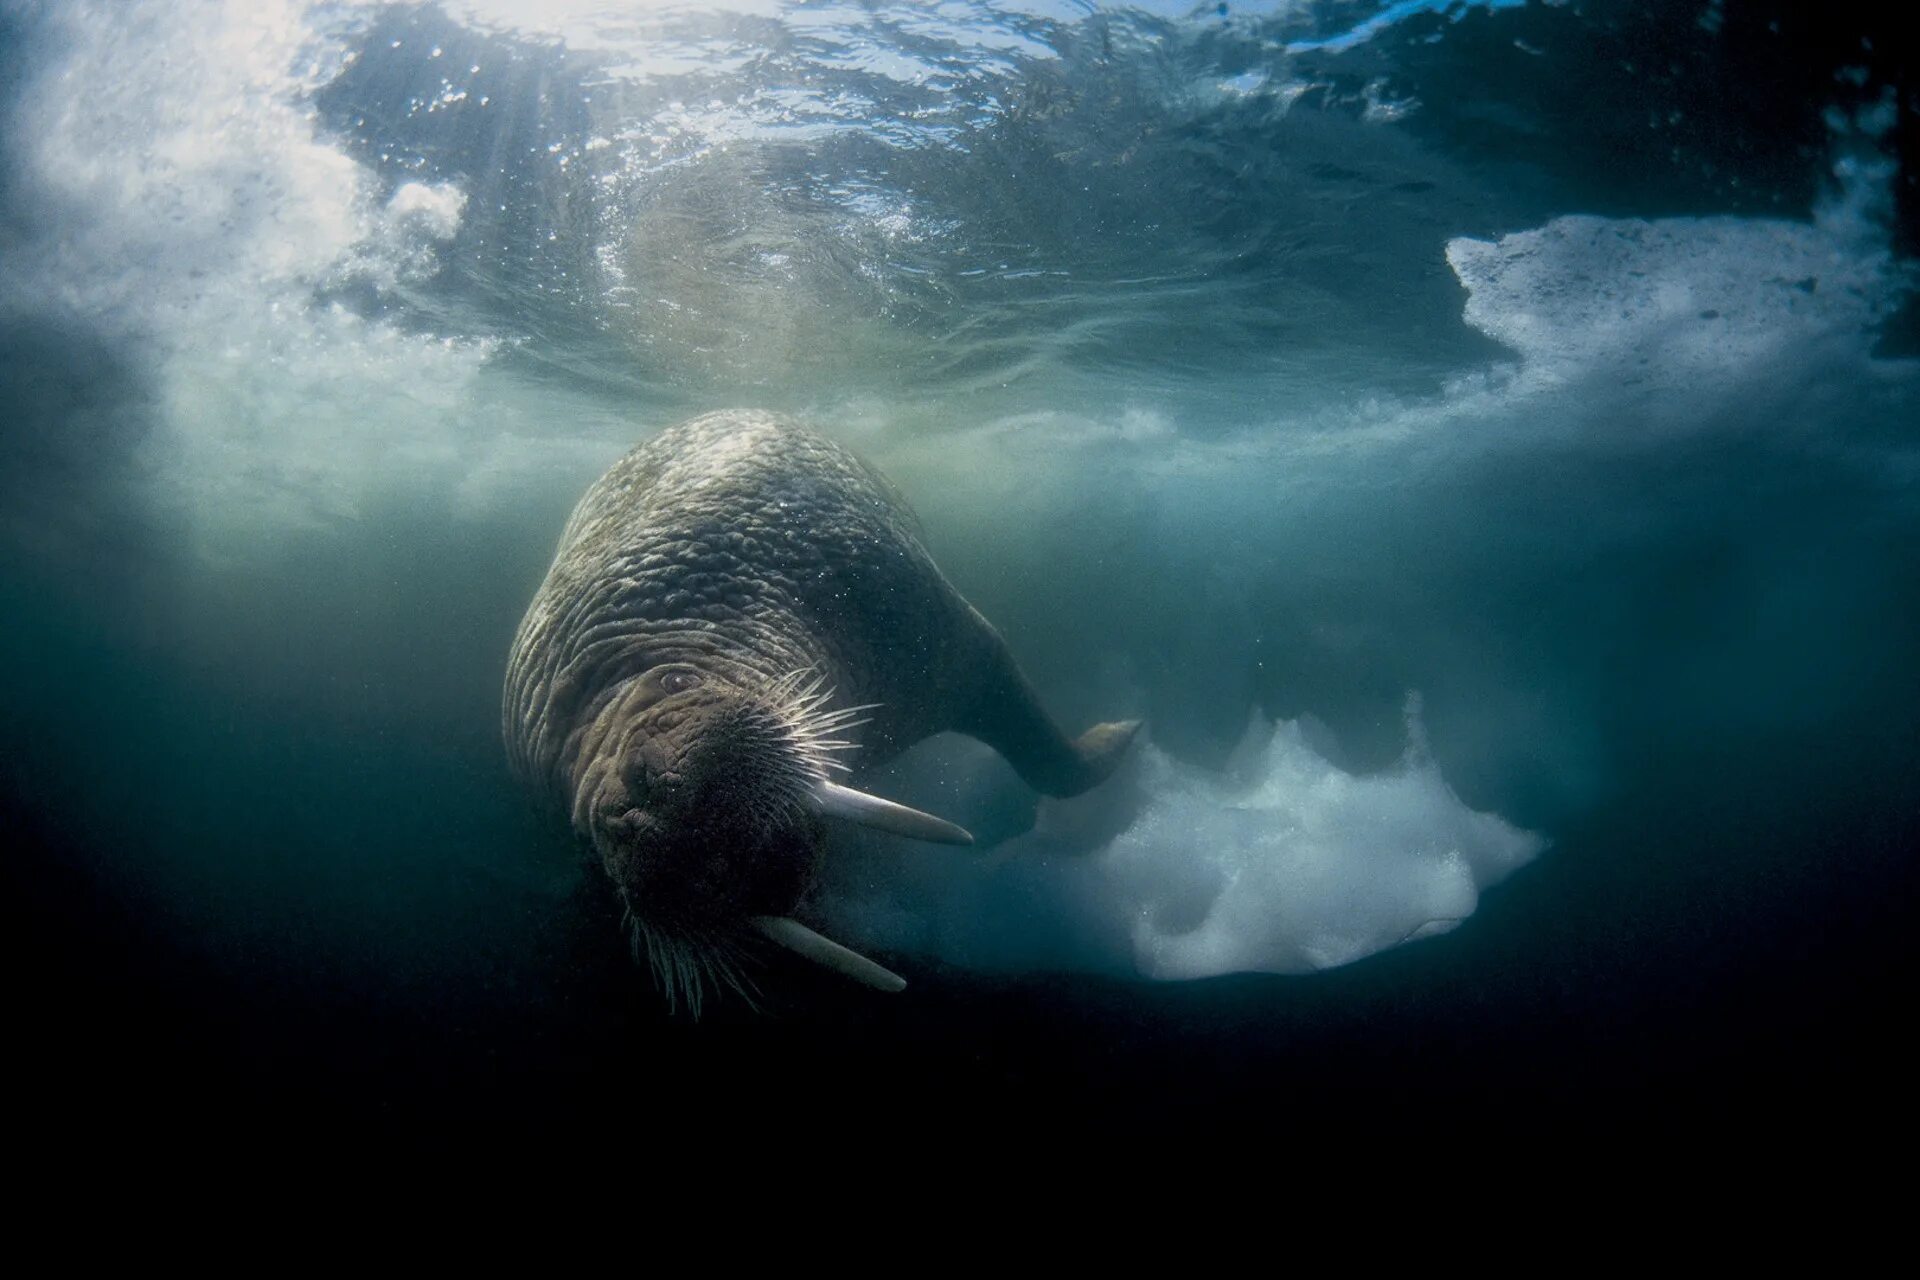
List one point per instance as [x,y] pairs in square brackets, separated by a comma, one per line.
[1307,568]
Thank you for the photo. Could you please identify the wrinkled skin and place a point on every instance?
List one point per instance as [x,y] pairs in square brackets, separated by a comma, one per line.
[650,689]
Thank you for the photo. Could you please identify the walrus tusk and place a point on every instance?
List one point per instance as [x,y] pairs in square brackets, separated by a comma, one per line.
[858,807]
[827,953]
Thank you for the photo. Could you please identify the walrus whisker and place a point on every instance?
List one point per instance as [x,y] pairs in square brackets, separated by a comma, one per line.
[836,801]
[790,933]
[835,717]
[797,701]
[723,970]
[686,966]
[813,732]
[833,724]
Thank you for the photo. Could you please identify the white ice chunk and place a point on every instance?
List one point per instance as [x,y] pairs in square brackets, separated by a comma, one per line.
[1665,304]
[1283,863]
[1304,868]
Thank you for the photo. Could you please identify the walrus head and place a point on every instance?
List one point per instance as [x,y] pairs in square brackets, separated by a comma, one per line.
[707,800]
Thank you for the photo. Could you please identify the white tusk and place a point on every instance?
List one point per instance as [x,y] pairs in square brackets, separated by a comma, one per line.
[827,953]
[864,810]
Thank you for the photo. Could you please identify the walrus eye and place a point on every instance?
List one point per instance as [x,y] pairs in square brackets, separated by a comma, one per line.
[679,681]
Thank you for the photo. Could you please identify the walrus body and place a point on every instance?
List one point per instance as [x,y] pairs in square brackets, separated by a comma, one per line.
[740,611]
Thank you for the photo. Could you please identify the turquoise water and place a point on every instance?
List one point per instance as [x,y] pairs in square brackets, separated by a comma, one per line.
[1479,439]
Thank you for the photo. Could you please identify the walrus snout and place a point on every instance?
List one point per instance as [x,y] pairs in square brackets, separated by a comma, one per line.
[708,822]
[694,878]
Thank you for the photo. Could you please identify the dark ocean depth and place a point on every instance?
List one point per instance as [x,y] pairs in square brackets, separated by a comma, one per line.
[1482,440]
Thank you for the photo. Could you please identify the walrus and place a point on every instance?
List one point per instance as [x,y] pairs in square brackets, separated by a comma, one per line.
[741,615]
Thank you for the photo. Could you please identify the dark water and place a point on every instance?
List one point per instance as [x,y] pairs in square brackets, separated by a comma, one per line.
[1249,365]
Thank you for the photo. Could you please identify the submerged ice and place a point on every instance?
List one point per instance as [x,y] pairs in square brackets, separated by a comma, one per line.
[1283,862]
[1303,866]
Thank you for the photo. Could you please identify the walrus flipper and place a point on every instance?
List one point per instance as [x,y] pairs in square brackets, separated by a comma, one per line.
[1004,711]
